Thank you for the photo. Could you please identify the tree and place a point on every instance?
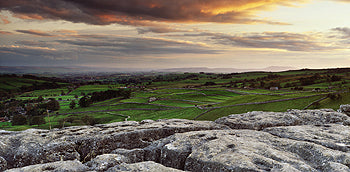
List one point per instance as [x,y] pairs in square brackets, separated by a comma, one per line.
[53,105]
[40,99]
[72,104]
[84,101]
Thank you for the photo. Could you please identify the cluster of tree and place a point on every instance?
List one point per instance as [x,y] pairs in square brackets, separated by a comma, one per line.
[14,106]
[42,86]
[31,112]
[86,101]
[104,95]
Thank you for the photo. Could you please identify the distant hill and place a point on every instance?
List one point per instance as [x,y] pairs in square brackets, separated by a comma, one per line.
[226,70]
[79,69]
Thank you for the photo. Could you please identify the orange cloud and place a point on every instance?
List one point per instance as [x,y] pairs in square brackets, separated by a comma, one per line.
[29,16]
[135,11]
[67,31]
[4,19]
[5,33]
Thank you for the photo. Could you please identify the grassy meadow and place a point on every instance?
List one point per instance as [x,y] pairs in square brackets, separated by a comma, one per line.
[202,97]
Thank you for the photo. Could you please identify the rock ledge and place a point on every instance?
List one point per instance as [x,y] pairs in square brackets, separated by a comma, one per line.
[296,140]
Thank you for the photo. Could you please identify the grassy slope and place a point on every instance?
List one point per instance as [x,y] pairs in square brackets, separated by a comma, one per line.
[276,107]
[186,99]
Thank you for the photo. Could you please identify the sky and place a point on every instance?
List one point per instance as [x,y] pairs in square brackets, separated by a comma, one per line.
[158,34]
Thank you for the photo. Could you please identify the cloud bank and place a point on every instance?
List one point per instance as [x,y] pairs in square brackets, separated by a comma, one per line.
[136,12]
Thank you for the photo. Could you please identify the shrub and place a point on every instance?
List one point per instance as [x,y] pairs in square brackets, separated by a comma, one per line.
[72,104]
[84,101]
[209,83]
[37,120]
[19,120]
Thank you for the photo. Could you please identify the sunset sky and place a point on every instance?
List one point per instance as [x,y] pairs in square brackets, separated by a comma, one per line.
[175,33]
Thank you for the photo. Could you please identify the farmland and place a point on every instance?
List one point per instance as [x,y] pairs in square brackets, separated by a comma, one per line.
[200,96]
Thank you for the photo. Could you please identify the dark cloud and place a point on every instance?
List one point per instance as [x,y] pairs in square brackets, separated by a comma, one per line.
[272,40]
[29,51]
[138,12]
[345,31]
[35,32]
[159,30]
[131,46]
[35,43]
[98,49]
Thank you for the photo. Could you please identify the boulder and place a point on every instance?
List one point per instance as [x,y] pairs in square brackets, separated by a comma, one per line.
[258,120]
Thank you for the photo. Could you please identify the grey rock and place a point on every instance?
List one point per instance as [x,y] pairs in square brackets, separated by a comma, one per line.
[142,166]
[105,161]
[258,120]
[133,156]
[297,140]
[59,166]
[344,109]
[34,146]
[242,150]
[3,164]
[336,167]
[332,136]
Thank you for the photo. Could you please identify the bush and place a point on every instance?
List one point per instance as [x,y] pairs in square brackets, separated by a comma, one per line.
[19,120]
[209,83]
[89,120]
[84,101]
[37,120]
[334,96]
[72,104]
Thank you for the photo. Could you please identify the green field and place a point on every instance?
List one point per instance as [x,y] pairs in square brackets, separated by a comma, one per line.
[190,98]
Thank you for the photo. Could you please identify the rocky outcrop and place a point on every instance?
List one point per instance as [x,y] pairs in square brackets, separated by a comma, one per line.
[344,109]
[83,143]
[297,140]
[259,120]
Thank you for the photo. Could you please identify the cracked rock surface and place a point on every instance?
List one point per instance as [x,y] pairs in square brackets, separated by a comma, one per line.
[297,140]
